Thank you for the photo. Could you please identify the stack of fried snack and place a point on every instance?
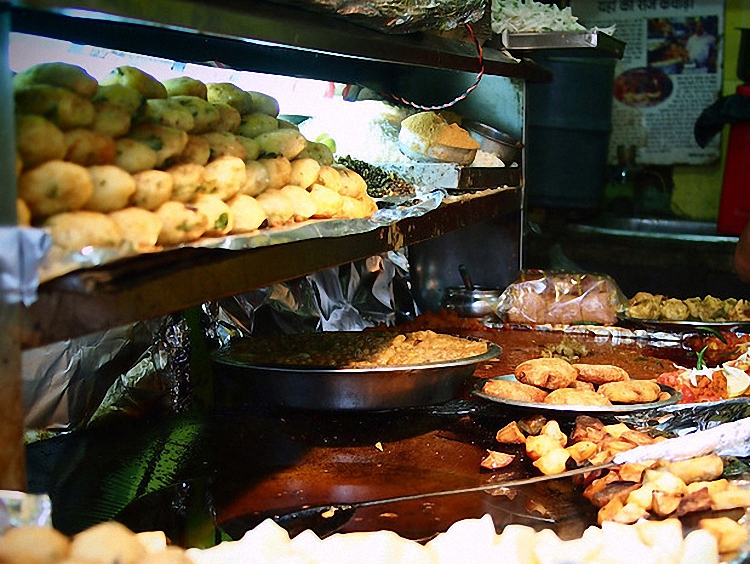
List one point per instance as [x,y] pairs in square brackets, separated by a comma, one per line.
[645,305]
[629,492]
[135,163]
[557,381]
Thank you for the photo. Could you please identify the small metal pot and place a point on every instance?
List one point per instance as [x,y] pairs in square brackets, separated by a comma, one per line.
[475,302]
[491,140]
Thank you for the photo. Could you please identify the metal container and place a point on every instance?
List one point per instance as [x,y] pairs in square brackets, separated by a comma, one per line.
[475,302]
[491,140]
[379,388]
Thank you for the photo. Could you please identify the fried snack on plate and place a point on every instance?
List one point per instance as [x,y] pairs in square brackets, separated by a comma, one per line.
[573,396]
[134,156]
[353,208]
[252,125]
[631,391]
[204,113]
[55,187]
[38,140]
[121,95]
[168,142]
[511,434]
[140,228]
[251,147]
[185,86]
[220,216]
[318,151]
[328,202]
[223,177]
[264,103]
[729,534]
[64,108]
[329,177]
[228,93]
[33,545]
[304,172]
[111,120]
[514,390]
[600,373]
[224,144]
[279,209]
[168,112]
[113,188]
[64,75]
[152,189]
[496,460]
[644,305]
[248,213]
[229,117]
[257,178]
[279,171]
[135,78]
[74,230]
[352,184]
[197,151]
[187,179]
[287,143]
[87,148]
[107,543]
[180,223]
[304,205]
[548,373]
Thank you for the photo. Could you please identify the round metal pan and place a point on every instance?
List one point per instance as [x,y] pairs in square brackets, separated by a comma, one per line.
[377,388]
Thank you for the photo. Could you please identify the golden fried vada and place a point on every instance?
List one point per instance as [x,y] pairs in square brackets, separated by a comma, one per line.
[631,391]
[573,396]
[548,373]
[517,391]
[598,374]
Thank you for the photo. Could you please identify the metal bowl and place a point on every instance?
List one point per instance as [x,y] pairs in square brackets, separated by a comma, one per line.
[379,388]
[472,302]
[491,140]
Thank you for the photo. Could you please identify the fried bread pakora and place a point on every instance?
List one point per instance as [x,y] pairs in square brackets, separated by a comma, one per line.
[598,374]
[548,373]
[575,396]
[631,391]
[514,391]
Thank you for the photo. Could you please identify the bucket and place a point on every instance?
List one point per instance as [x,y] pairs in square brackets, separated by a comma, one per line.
[569,121]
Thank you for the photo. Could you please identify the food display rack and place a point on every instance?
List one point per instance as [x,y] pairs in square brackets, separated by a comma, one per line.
[259,37]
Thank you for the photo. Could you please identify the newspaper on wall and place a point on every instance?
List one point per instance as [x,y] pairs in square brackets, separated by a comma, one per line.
[670,72]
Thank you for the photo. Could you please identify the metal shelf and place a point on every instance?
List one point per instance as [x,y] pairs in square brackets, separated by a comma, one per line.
[148,286]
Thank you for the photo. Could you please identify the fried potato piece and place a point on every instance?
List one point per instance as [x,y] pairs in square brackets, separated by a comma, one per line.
[219,214]
[197,151]
[257,178]
[510,434]
[700,469]
[548,373]
[279,171]
[187,180]
[552,462]
[107,543]
[328,202]
[168,142]
[304,205]
[152,189]
[64,75]
[87,148]
[134,156]
[278,207]
[180,223]
[572,396]
[38,140]
[304,172]
[631,391]
[55,187]
[72,231]
[252,125]
[229,117]
[121,95]
[600,373]
[228,93]
[135,78]
[66,109]
[204,113]
[140,228]
[730,535]
[517,391]
[33,545]
[223,177]
[111,120]
[248,213]
[185,86]
[496,460]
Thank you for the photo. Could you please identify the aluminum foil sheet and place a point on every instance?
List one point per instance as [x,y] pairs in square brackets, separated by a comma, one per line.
[19,509]
[22,250]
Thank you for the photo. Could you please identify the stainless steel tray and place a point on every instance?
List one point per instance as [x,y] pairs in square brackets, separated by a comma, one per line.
[377,388]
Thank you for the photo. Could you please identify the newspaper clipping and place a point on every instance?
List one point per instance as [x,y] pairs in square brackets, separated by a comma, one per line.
[670,72]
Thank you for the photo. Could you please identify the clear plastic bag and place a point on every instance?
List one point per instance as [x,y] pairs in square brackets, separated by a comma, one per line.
[539,297]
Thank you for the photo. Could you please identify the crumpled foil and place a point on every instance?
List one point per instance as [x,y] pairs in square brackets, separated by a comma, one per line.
[18,509]
[401,16]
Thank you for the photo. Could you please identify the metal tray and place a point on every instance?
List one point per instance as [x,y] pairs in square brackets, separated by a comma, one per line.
[377,388]
[617,409]
[681,326]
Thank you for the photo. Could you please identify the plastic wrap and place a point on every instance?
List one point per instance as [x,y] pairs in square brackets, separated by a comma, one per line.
[539,297]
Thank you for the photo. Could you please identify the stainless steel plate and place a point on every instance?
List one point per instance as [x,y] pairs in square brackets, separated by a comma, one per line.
[377,388]
[680,326]
[674,397]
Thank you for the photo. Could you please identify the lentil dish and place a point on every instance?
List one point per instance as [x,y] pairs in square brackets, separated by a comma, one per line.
[349,349]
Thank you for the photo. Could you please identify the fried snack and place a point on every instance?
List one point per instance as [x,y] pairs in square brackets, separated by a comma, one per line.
[113,188]
[204,113]
[64,75]
[220,216]
[229,117]
[137,79]
[257,178]
[107,543]
[353,208]
[228,93]
[549,373]
[511,434]
[645,305]
[180,223]
[224,144]
[517,391]
[248,213]
[168,142]
[730,535]
[88,148]
[140,228]
[265,104]
[287,143]
[673,309]
[328,202]
[279,209]
[38,140]
[318,151]
[72,231]
[134,156]
[496,460]
[64,108]
[166,111]
[33,545]
[329,177]
[23,213]
[352,184]
[252,125]
[187,179]
[223,177]
[573,396]
[55,187]
[631,391]
[279,171]
[121,95]
[600,373]
[111,120]
[251,146]
[197,151]
[185,86]
[304,205]
[304,172]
